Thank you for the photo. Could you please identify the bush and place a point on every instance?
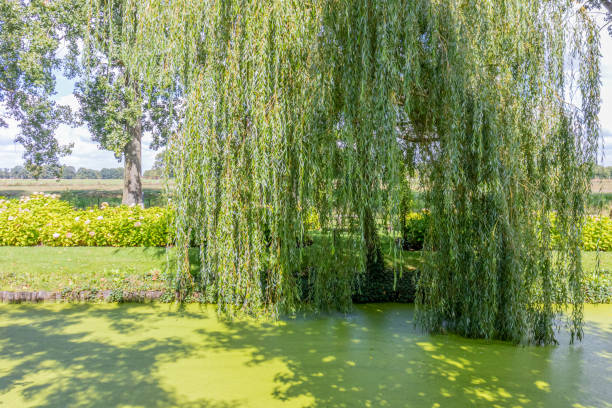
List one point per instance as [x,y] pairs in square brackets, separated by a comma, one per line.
[413,230]
[42,219]
[596,233]
[598,287]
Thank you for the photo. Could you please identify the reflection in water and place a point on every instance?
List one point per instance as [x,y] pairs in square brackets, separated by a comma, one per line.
[156,356]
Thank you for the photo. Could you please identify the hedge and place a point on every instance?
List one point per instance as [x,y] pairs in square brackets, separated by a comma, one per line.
[43,219]
[596,233]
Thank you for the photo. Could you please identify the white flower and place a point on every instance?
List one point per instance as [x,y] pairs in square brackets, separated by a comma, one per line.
[137,224]
[141,217]
[92,233]
[87,222]
[99,217]
[69,235]
[11,218]
[56,235]
[77,218]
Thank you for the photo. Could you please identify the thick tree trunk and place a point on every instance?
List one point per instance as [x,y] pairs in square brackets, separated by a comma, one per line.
[132,183]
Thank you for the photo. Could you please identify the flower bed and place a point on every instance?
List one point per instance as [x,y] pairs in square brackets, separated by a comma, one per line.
[43,219]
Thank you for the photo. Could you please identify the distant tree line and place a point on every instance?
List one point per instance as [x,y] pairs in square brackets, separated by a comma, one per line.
[602,172]
[67,172]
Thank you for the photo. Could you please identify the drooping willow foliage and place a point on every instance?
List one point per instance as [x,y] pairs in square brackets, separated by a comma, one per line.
[329,104]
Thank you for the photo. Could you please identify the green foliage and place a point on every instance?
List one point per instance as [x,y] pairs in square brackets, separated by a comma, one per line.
[597,234]
[606,7]
[598,286]
[414,230]
[599,202]
[30,35]
[331,104]
[113,103]
[603,172]
[45,220]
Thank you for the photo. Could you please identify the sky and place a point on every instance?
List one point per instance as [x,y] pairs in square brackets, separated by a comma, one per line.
[86,153]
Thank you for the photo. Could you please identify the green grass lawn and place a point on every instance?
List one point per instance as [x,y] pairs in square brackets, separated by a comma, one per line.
[55,268]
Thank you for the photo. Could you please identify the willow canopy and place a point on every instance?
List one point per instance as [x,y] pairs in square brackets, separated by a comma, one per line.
[295,108]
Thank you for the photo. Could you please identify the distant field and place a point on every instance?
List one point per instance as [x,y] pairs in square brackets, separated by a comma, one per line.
[601,185]
[82,193]
[72,184]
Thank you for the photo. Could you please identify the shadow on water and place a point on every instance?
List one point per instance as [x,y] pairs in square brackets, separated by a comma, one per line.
[379,359]
[59,364]
[155,356]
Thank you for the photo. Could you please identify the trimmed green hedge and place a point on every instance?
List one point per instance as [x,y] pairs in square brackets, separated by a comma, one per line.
[596,233]
[43,219]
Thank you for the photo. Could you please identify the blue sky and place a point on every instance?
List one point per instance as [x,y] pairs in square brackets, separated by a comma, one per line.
[86,153]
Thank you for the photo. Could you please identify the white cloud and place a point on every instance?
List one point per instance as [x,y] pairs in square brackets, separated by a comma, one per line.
[10,155]
[69,100]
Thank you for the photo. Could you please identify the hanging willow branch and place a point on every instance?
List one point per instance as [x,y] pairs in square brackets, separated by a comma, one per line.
[329,104]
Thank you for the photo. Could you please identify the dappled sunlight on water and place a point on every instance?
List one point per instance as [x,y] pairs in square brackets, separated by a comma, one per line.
[157,356]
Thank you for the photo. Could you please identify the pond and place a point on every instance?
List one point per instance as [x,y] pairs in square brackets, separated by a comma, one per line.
[58,355]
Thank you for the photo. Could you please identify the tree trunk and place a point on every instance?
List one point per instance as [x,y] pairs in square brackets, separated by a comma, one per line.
[132,183]
[375,281]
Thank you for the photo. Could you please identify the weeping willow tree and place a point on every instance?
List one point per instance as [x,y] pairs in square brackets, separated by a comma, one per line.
[294,105]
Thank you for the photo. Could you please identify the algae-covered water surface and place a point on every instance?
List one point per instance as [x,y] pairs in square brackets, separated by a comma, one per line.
[153,355]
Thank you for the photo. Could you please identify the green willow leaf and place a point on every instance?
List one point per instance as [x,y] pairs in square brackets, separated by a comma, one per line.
[295,105]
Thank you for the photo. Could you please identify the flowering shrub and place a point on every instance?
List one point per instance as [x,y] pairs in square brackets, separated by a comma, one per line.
[42,219]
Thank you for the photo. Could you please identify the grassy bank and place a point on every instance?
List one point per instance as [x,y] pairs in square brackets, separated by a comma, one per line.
[105,268]
[59,268]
